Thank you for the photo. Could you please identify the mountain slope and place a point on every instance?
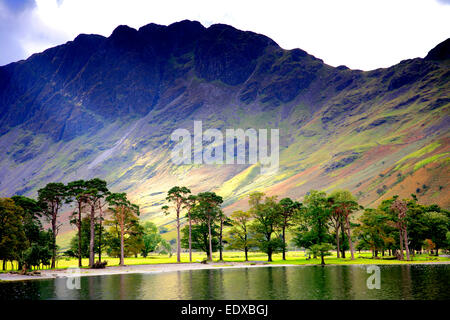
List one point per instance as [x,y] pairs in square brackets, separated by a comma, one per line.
[106,107]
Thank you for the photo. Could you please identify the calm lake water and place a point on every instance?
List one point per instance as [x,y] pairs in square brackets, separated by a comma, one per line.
[306,282]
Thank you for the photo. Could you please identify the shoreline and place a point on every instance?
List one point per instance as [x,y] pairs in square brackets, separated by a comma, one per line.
[168,267]
[130,269]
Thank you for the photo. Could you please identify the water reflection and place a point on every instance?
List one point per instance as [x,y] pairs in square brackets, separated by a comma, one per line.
[303,282]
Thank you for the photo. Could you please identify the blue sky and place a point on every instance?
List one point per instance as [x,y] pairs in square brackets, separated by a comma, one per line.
[362,34]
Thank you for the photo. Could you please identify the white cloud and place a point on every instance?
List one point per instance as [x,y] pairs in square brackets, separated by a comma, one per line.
[360,34]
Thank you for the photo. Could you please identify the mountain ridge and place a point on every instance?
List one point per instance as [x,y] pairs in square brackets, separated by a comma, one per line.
[367,131]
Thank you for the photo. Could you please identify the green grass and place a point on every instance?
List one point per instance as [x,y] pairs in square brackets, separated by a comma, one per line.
[428,160]
[361,258]
[293,258]
[421,152]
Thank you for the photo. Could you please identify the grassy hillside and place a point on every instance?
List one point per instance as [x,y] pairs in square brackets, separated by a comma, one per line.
[106,107]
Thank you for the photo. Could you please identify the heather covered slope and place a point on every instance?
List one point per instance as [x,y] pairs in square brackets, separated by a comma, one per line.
[106,107]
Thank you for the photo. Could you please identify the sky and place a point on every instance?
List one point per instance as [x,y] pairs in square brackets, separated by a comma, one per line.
[361,34]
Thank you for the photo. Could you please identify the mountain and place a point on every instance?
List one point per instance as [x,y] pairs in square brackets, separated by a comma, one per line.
[106,107]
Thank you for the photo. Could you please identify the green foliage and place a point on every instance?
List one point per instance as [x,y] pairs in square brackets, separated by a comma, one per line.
[200,237]
[314,227]
[263,225]
[437,225]
[239,236]
[76,188]
[290,213]
[447,236]
[164,247]
[132,239]
[321,250]
[177,195]
[206,212]
[125,233]
[32,209]
[378,229]
[207,207]
[52,197]
[266,223]
[317,216]
[85,239]
[12,233]
[40,251]
[38,244]
[134,243]
[151,238]
[374,232]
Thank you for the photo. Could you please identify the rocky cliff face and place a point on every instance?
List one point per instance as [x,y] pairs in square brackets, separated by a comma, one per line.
[106,107]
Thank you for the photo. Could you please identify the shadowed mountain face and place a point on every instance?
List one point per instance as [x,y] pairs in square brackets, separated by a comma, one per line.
[61,91]
[106,107]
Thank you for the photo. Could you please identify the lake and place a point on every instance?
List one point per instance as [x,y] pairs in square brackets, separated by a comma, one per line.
[285,283]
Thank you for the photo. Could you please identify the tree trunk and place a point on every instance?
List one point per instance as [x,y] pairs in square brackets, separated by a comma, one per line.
[122,231]
[284,242]
[190,236]
[343,238]
[350,242]
[54,241]
[80,263]
[406,245]
[337,242]
[100,234]
[220,239]
[322,262]
[246,247]
[92,239]
[401,244]
[210,240]
[4,265]
[178,237]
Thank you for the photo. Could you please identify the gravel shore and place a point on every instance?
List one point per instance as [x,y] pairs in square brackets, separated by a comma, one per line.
[148,268]
[154,268]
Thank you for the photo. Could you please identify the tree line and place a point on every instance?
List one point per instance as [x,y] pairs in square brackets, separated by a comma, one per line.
[23,238]
[323,222]
[109,222]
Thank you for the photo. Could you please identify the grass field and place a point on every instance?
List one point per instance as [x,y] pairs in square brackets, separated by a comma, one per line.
[293,257]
